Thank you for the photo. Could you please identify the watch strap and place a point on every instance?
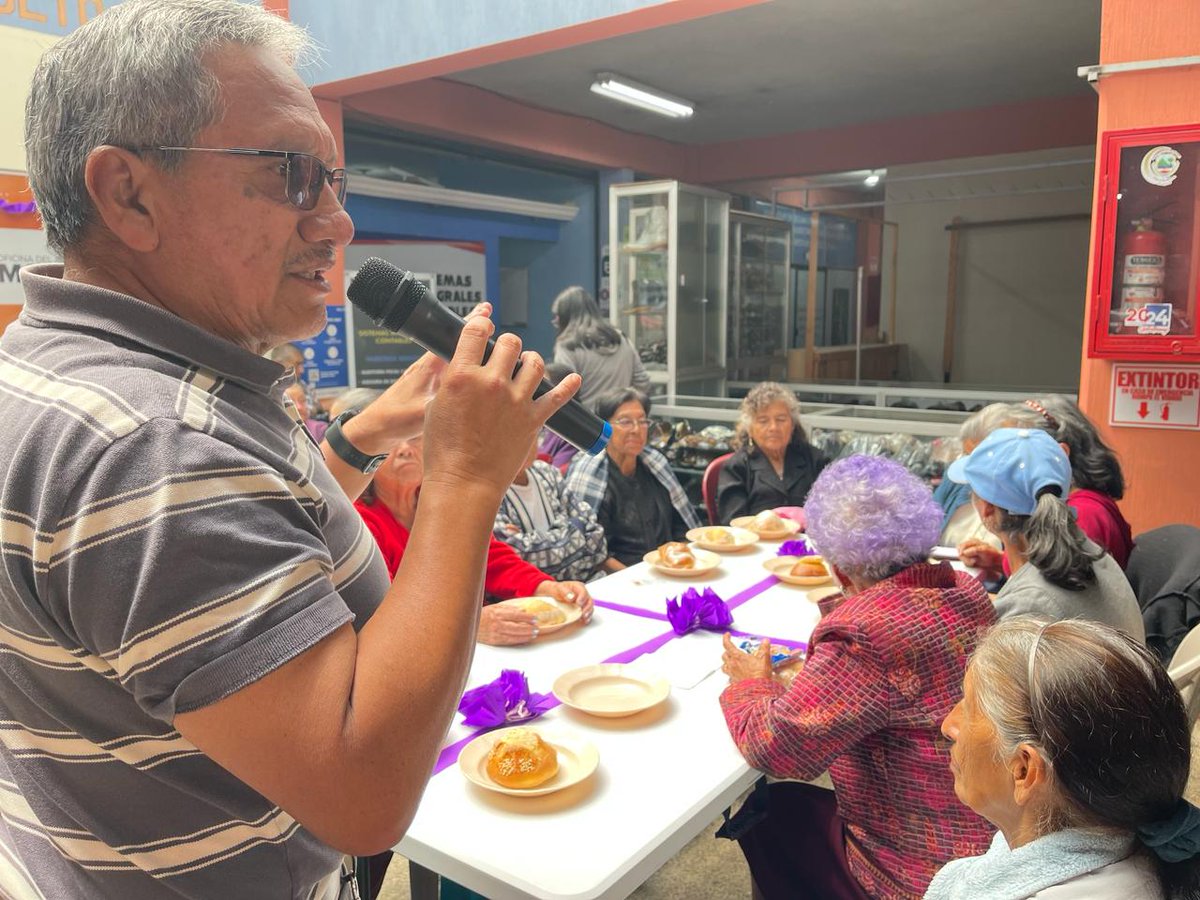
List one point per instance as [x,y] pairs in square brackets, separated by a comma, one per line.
[346,451]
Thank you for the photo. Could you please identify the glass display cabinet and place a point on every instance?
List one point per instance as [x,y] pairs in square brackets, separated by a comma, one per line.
[760,254]
[669,281]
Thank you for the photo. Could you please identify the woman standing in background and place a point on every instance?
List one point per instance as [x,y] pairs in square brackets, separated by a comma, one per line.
[594,348]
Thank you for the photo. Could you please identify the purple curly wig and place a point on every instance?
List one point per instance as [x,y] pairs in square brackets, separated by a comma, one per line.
[871,517]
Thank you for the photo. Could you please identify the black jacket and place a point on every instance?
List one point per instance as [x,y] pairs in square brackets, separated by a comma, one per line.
[748,483]
[1164,571]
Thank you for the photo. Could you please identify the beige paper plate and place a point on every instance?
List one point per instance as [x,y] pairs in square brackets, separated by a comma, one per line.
[781,567]
[742,538]
[577,759]
[610,690]
[705,563]
[570,610]
[790,528]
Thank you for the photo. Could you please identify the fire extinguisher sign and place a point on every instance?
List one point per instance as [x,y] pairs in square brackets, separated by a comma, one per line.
[1155,396]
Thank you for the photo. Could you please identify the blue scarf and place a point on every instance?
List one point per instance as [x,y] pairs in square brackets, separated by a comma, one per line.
[1004,874]
[950,495]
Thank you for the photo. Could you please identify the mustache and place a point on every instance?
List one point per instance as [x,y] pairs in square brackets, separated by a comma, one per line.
[323,259]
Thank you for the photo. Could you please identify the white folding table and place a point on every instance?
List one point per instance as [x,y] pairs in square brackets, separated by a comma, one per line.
[664,774]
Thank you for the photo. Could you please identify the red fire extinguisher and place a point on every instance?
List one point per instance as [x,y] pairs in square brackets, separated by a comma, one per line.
[1143,255]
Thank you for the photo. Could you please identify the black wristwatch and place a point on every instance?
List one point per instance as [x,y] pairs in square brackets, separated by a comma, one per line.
[346,451]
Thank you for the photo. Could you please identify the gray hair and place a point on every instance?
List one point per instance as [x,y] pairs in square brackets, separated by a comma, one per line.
[1098,707]
[984,421]
[760,397]
[356,399]
[287,355]
[1094,465]
[133,77]
[1054,543]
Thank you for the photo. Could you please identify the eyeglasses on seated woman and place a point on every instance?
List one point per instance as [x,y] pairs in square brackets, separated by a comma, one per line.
[639,502]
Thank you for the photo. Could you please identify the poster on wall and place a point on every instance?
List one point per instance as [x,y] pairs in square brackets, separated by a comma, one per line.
[20,247]
[326,364]
[455,271]
[1155,396]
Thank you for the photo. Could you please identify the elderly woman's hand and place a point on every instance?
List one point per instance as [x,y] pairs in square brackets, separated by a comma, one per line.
[574,592]
[740,665]
[980,555]
[501,626]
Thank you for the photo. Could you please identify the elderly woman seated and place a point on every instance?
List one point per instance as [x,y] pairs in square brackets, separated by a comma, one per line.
[884,667]
[1019,478]
[547,526]
[1072,741]
[1097,482]
[389,507]
[774,465]
[961,522]
[638,500]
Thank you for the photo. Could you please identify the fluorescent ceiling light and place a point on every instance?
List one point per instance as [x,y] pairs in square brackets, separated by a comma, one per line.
[641,96]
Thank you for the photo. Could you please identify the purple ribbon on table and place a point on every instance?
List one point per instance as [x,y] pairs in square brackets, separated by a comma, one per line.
[505,701]
[697,609]
[795,547]
[449,754]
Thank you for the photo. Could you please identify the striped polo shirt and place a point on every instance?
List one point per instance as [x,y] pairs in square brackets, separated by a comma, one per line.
[170,534]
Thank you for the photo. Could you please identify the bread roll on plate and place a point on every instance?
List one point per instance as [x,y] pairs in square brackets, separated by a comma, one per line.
[547,614]
[809,567]
[676,555]
[521,759]
[769,521]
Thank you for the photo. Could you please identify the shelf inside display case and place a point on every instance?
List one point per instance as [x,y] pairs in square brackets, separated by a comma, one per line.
[759,308]
[667,278]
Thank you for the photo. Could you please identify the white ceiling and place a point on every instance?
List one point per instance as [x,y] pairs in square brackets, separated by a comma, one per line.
[798,65]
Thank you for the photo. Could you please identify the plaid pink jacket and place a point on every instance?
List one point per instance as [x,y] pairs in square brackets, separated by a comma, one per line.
[884,668]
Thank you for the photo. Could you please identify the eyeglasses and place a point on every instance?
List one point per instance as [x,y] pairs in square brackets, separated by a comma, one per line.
[629,424]
[305,174]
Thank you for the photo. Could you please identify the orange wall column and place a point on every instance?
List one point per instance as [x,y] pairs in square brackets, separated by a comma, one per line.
[1162,468]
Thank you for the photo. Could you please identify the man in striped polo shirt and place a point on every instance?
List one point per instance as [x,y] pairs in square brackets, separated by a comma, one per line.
[208,687]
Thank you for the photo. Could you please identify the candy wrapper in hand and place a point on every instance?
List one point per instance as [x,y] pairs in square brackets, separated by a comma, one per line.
[505,701]
[698,610]
[779,654]
[796,547]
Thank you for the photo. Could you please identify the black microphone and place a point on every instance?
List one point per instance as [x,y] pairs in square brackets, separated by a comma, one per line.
[395,300]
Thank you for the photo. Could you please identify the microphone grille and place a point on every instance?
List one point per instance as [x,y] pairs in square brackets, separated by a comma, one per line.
[385,293]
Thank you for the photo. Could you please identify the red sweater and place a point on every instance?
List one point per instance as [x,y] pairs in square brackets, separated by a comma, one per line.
[507,574]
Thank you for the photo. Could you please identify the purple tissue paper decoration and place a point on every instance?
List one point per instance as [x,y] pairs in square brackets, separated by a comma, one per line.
[797,547]
[699,610]
[505,701]
[9,207]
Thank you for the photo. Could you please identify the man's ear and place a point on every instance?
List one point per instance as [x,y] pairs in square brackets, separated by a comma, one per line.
[1030,774]
[1066,449]
[124,191]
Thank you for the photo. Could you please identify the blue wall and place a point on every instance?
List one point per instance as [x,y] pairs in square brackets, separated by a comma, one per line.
[361,36]
[557,254]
